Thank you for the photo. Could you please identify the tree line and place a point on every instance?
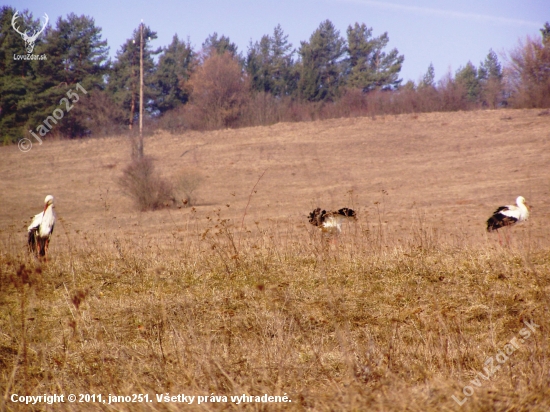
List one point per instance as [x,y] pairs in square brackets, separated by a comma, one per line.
[329,75]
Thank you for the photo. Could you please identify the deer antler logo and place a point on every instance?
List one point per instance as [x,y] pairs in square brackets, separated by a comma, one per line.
[29,40]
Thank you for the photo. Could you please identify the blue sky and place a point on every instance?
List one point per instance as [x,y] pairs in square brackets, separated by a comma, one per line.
[445,33]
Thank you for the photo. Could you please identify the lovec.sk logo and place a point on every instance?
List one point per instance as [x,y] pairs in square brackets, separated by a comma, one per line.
[29,40]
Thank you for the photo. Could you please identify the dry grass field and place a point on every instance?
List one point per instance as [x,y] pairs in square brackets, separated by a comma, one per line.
[238,295]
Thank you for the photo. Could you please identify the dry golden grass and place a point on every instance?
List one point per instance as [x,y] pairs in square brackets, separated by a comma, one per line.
[400,314]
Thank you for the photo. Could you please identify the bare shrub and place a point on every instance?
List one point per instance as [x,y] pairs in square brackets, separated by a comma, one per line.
[186,182]
[174,121]
[142,183]
[353,103]
[527,74]
[265,109]
[492,94]
[426,99]
[452,94]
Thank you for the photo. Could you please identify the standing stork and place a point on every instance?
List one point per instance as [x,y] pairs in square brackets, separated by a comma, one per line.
[508,216]
[41,228]
[331,222]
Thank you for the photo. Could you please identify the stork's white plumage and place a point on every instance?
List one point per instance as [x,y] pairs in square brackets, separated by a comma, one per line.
[508,215]
[41,228]
[331,222]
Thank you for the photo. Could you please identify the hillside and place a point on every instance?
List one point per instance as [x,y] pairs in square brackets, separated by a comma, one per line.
[240,296]
[449,169]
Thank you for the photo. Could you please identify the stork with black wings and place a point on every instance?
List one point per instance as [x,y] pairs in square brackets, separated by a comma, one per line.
[507,216]
[331,222]
[41,229]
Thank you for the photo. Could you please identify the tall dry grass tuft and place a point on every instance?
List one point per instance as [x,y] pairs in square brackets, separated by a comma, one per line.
[369,323]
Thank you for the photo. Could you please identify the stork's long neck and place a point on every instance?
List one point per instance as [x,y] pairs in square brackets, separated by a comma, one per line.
[48,213]
[47,222]
[524,210]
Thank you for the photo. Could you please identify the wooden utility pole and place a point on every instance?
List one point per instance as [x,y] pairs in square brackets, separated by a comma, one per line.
[140,143]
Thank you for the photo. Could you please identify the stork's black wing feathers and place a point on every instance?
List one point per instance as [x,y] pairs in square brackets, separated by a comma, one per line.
[346,212]
[32,239]
[499,219]
[317,217]
[501,209]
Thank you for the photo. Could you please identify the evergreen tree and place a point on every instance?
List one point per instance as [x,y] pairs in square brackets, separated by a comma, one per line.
[545,31]
[124,78]
[369,67]
[269,64]
[429,78]
[30,91]
[17,77]
[219,46]
[258,62]
[320,68]
[175,66]
[467,77]
[490,79]
[75,54]
[283,63]
[490,69]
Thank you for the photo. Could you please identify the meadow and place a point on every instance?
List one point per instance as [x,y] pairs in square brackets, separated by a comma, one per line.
[415,307]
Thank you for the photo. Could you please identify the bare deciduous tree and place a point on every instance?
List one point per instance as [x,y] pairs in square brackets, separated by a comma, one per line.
[220,91]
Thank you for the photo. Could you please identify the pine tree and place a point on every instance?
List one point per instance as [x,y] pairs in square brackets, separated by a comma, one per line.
[429,78]
[490,79]
[124,78]
[30,91]
[269,64]
[320,68]
[467,77]
[545,31]
[213,44]
[75,54]
[258,62]
[284,79]
[175,66]
[16,79]
[490,68]
[368,66]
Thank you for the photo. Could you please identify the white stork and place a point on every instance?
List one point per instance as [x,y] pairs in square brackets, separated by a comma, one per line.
[41,228]
[331,222]
[508,215]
